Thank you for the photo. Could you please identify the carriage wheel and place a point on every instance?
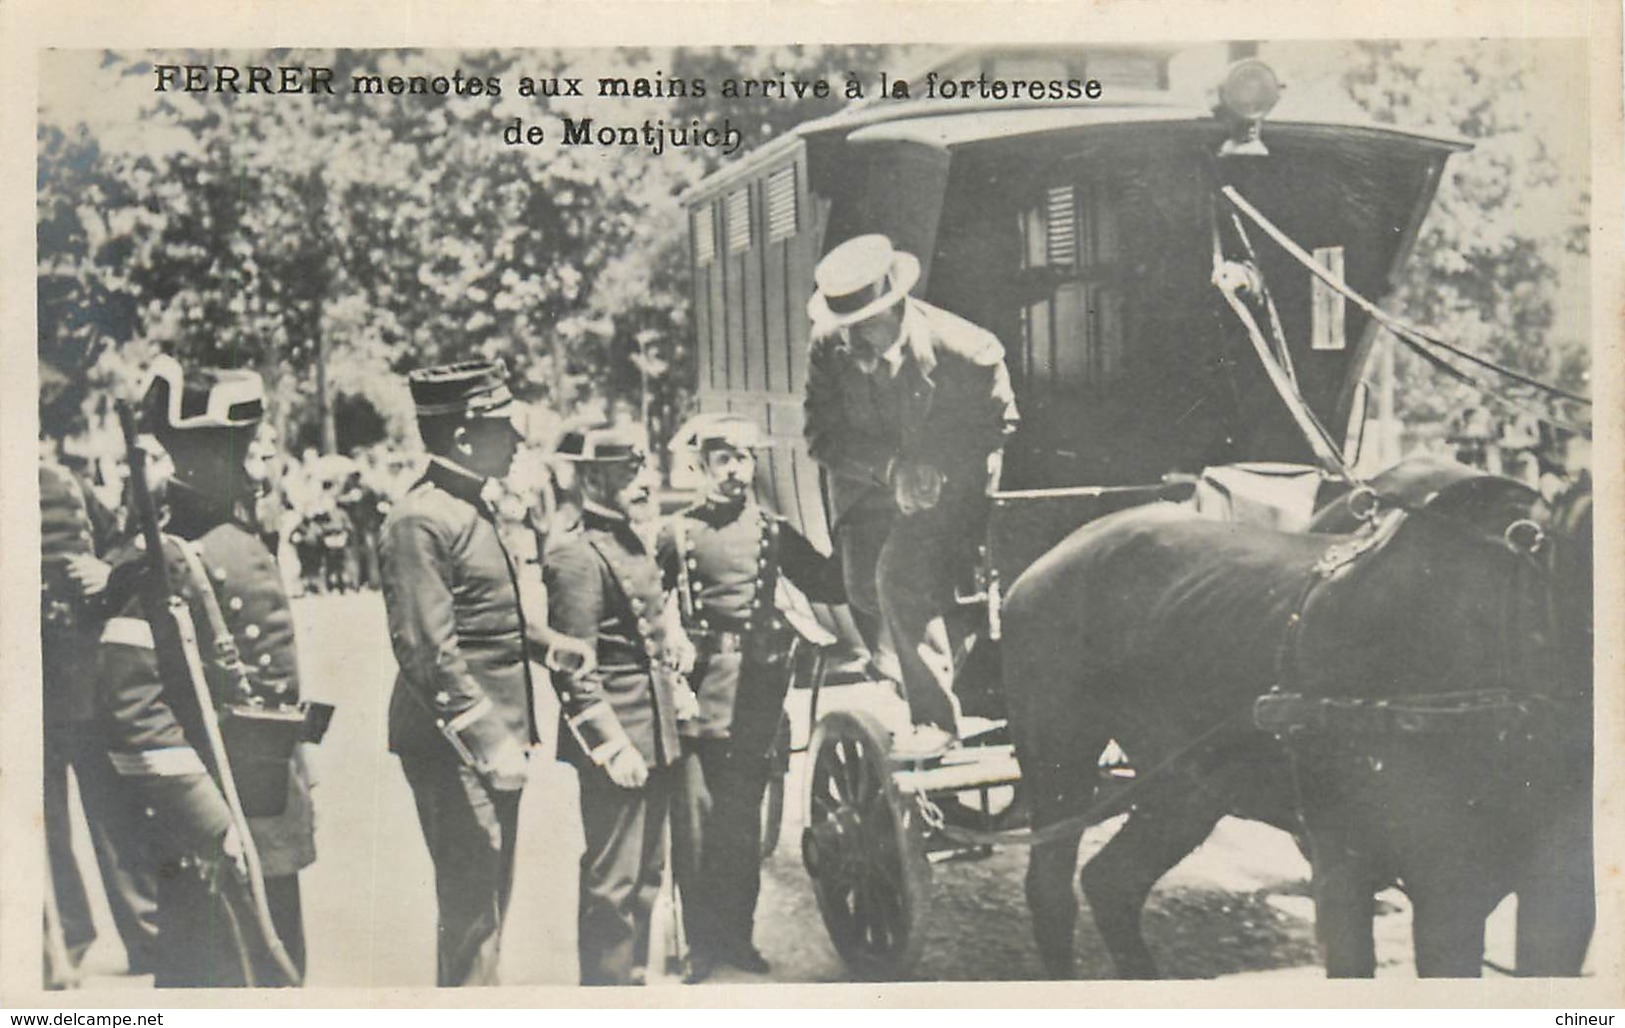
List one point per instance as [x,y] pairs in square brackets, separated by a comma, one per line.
[864,849]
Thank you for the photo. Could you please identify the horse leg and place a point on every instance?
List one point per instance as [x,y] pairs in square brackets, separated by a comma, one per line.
[1345,910]
[1163,829]
[1051,901]
[1557,900]
[1058,776]
[1448,928]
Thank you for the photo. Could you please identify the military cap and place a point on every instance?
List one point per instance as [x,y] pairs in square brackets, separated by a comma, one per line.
[704,431]
[600,443]
[472,389]
[182,399]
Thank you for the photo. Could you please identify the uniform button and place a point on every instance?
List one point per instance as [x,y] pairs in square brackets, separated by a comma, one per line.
[150,812]
[235,603]
[761,562]
[265,660]
[252,631]
[219,574]
[280,688]
[693,564]
[442,698]
[698,603]
[643,625]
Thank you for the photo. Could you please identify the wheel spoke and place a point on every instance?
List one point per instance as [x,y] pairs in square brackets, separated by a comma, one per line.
[852,765]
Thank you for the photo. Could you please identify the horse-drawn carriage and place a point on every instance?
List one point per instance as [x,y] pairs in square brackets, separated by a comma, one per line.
[1178,288]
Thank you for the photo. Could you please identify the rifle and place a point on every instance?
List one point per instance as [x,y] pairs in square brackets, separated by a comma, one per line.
[162,605]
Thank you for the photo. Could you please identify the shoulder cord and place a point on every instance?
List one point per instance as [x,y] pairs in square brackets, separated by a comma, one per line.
[226,655]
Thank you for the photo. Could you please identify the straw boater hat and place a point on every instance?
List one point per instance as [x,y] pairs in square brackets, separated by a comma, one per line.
[859,279]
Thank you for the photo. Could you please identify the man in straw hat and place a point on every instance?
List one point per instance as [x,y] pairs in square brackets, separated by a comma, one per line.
[462,717]
[905,404]
[159,742]
[618,719]
[743,578]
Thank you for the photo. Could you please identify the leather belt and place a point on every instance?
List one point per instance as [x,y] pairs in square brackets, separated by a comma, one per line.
[723,642]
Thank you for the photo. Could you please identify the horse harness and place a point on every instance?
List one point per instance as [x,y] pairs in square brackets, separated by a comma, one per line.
[1285,713]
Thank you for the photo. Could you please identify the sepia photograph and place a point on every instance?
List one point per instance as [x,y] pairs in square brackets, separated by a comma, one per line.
[699,516]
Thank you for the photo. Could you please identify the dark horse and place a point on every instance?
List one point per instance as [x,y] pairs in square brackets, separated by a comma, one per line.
[1465,604]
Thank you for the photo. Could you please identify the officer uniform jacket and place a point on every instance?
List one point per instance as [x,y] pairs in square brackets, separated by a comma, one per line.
[156,735]
[950,404]
[604,587]
[72,523]
[455,621]
[727,557]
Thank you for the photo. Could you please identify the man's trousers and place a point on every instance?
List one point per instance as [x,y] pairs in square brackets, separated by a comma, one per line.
[471,831]
[115,823]
[207,941]
[720,839]
[625,832]
[903,566]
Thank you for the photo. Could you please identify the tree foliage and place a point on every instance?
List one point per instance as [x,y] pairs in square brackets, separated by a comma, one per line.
[1488,270]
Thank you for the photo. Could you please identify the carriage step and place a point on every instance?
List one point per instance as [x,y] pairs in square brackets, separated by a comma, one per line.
[961,769]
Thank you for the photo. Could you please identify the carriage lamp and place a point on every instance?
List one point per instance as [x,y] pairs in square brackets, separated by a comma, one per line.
[1248,93]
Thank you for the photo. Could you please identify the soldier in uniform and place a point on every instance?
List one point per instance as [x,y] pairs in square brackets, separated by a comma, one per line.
[735,567]
[75,532]
[462,717]
[905,406]
[618,723]
[203,420]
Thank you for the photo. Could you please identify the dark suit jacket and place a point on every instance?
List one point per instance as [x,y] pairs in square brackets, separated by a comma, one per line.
[949,405]
[454,618]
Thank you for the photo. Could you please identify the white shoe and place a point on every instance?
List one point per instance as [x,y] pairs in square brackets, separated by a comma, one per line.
[921,742]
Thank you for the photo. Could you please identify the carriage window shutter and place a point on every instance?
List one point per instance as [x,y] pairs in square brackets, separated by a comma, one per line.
[1061,226]
[736,213]
[781,204]
[705,234]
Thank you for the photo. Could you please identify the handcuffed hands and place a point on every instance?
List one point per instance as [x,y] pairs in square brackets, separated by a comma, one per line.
[681,653]
[917,486]
[569,655]
[626,768]
[231,847]
[88,573]
[685,704]
[507,768]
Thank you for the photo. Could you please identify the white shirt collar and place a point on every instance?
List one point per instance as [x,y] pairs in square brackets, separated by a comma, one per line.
[893,357]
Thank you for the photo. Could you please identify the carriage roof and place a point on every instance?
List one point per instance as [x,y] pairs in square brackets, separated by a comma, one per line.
[950,124]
